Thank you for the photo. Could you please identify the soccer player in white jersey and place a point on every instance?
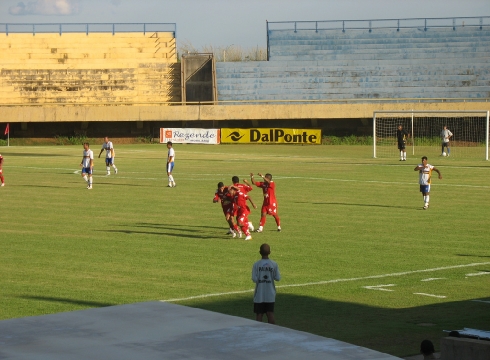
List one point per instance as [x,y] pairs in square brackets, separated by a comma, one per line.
[264,273]
[170,164]
[445,136]
[87,164]
[425,175]
[109,155]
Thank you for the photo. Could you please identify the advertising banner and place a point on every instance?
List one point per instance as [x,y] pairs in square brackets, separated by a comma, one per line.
[271,136]
[190,136]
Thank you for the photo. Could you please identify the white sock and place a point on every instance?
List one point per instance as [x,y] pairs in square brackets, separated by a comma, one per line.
[90,181]
[114,166]
[85,177]
[108,168]
[404,155]
[401,155]
[426,199]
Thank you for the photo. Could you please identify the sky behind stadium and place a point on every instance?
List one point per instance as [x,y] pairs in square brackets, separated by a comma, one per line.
[229,22]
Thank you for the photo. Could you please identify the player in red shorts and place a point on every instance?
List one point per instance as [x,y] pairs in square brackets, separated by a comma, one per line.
[227,205]
[244,188]
[1,171]
[243,210]
[269,206]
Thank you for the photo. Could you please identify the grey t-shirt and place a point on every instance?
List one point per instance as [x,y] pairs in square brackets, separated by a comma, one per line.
[445,134]
[264,272]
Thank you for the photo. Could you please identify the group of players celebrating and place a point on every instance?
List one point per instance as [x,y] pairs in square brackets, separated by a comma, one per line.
[234,199]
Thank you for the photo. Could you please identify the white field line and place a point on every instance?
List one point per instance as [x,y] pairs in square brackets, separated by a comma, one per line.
[481,301]
[198,177]
[334,281]
[432,279]
[431,295]
[379,287]
[479,273]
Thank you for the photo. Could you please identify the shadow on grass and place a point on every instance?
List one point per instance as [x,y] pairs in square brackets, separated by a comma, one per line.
[34,154]
[179,227]
[474,255]
[163,233]
[388,330]
[352,204]
[66,301]
[45,186]
[116,184]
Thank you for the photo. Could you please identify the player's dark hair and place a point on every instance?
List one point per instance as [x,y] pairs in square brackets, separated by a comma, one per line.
[427,347]
[169,143]
[220,184]
[268,176]
[86,143]
[424,158]
[263,250]
[235,179]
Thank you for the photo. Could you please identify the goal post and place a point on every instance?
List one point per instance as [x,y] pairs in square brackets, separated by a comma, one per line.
[470,129]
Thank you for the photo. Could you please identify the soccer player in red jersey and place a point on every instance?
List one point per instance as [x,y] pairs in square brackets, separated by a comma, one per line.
[244,188]
[1,171]
[269,206]
[243,210]
[227,205]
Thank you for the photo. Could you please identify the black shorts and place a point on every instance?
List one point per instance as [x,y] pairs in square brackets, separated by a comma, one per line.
[446,144]
[262,308]
[401,145]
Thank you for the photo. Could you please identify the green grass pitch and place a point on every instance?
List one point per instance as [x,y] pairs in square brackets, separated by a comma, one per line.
[350,224]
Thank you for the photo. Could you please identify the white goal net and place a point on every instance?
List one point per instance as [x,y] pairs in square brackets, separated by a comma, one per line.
[470,131]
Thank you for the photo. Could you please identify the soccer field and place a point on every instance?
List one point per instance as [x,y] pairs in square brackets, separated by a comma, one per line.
[359,258]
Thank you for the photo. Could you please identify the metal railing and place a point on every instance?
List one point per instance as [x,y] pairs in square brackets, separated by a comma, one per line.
[87,28]
[370,25]
[257,102]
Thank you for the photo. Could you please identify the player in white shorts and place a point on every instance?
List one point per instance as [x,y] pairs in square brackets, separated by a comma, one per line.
[109,155]
[87,164]
[425,174]
[170,164]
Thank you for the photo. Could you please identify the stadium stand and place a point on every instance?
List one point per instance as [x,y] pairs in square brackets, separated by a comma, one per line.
[92,67]
[365,63]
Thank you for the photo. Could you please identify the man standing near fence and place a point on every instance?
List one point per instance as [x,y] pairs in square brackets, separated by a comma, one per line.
[445,136]
[402,136]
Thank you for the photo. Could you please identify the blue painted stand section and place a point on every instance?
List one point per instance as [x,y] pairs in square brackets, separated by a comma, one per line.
[363,64]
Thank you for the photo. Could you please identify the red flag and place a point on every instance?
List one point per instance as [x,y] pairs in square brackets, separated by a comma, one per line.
[7,129]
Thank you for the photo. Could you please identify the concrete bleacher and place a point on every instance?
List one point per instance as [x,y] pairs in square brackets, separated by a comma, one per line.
[357,64]
[88,68]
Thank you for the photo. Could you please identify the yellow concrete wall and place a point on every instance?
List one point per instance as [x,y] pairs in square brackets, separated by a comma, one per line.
[53,113]
[80,68]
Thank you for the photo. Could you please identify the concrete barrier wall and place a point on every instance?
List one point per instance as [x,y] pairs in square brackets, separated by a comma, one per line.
[453,348]
[384,63]
[93,68]
[24,114]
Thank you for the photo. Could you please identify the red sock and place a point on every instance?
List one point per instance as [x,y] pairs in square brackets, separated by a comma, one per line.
[1,178]
[278,221]
[235,227]
[262,221]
